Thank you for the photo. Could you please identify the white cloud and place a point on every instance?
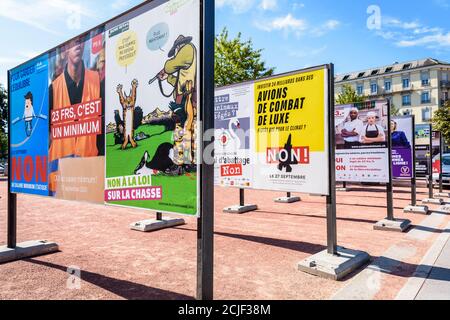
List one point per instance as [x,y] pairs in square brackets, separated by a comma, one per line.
[329,25]
[238,6]
[268,4]
[430,41]
[120,4]
[413,34]
[41,13]
[287,23]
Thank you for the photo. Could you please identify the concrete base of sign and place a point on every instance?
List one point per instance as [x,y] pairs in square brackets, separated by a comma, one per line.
[287,199]
[241,209]
[443,209]
[397,225]
[438,201]
[154,225]
[27,249]
[334,267]
[343,189]
[442,195]
[417,209]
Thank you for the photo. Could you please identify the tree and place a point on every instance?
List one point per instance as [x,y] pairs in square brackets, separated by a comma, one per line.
[349,95]
[3,145]
[237,60]
[441,121]
[3,122]
[3,109]
[395,112]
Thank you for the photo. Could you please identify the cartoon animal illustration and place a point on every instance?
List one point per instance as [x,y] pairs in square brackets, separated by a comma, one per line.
[161,161]
[128,103]
[235,142]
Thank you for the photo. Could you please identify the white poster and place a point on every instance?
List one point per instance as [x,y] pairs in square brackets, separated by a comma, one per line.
[233,116]
[362,153]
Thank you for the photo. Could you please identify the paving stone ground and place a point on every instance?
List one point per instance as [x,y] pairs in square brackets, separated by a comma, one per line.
[255,254]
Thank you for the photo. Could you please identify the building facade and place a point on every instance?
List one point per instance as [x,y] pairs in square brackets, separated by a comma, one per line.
[417,87]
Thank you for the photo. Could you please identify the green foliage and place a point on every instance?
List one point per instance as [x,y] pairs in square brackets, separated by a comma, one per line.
[349,95]
[3,122]
[441,121]
[395,112]
[237,61]
[3,145]
[3,109]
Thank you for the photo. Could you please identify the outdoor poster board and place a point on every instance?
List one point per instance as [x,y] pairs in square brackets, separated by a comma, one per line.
[152,115]
[29,127]
[422,136]
[402,137]
[362,151]
[437,153]
[272,134]
[113,115]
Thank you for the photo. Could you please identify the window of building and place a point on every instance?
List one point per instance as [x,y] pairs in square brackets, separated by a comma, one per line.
[389,69]
[406,83]
[388,85]
[444,76]
[374,72]
[406,100]
[426,97]
[407,66]
[346,77]
[426,114]
[360,89]
[373,88]
[361,74]
[406,112]
[425,77]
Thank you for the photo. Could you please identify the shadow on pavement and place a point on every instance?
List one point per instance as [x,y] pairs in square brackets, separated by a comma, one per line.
[305,247]
[319,217]
[125,289]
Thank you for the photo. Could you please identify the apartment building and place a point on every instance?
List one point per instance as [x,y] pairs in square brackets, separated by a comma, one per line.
[416,87]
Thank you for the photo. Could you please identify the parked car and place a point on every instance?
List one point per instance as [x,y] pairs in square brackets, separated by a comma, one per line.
[445,169]
[2,170]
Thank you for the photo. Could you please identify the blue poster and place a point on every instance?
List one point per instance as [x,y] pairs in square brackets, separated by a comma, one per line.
[29,125]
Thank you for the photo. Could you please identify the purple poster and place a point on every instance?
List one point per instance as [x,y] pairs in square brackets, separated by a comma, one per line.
[402,152]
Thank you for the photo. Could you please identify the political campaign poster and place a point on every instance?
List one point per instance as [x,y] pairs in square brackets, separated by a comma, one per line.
[153,109]
[76,81]
[402,133]
[291,132]
[233,116]
[436,153]
[29,121]
[422,135]
[362,151]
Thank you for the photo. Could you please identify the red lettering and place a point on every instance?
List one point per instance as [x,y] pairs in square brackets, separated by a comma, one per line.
[41,169]
[28,167]
[16,169]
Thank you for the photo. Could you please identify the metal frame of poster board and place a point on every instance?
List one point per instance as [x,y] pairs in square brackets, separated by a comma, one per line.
[332,247]
[205,221]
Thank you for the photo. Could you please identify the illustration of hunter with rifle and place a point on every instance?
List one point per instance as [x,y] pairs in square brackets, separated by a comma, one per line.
[180,71]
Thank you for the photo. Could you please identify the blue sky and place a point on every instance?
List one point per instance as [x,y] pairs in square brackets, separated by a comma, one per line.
[293,33]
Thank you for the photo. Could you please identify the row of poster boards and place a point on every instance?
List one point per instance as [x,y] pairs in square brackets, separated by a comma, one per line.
[363,135]
[89,122]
